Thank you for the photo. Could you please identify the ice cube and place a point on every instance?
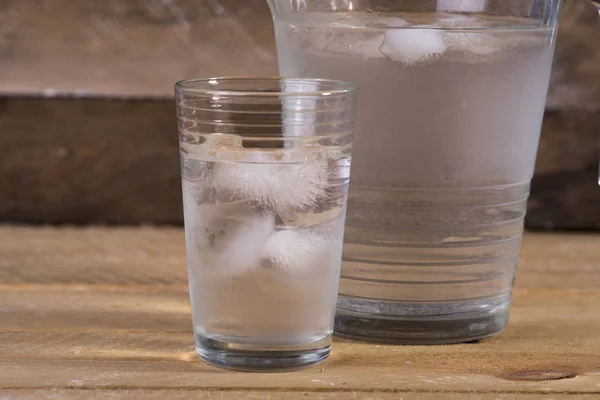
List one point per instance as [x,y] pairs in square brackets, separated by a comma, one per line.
[227,239]
[305,37]
[472,6]
[294,250]
[345,40]
[476,43]
[413,45]
[279,186]
[300,263]
[310,219]
[456,21]
[359,44]
[212,145]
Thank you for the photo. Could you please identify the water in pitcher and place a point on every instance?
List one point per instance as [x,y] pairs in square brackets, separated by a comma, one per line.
[448,124]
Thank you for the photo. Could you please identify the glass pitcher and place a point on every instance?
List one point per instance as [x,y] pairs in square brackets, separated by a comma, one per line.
[452,95]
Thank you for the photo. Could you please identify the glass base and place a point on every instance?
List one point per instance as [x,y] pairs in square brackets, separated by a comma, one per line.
[232,355]
[419,329]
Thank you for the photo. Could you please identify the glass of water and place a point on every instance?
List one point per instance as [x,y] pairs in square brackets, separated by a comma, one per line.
[265,167]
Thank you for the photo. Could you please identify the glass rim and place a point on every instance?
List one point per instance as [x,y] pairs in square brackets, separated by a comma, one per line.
[208,86]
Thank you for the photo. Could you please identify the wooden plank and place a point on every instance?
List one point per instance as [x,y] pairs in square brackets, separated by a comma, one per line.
[548,330]
[337,378]
[122,328]
[564,189]
[116,161]
[95,307]
[140,47]
[85,160]
[129,48]
[177,394]
[156,256]
[575,79]
[92,256]
[566,262]
[113,158]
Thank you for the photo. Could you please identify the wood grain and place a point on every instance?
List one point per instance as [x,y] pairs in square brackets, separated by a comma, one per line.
[564,190]
[133,48]
[140,257]
[124,256]
[178,394]
[76,161]
[103,312]
[138,48]
[116,161]
[575,79]
[87,122]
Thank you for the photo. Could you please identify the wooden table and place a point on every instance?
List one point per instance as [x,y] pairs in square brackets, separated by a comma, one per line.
[103,313]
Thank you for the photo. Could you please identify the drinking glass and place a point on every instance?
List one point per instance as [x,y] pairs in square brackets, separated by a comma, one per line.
[265,166]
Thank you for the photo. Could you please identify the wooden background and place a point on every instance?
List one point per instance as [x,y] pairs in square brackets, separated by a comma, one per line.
[87,123]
